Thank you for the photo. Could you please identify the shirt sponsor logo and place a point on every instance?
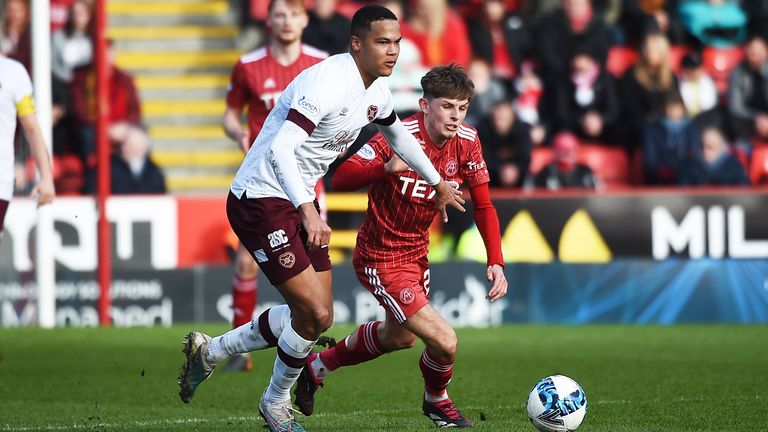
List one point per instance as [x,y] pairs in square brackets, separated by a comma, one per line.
[372,111]
[367,152]
[475,165]
[287,259]
[340,142]
[308,105]
[451,168]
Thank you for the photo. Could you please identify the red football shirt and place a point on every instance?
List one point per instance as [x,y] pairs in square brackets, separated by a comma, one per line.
[258,80]
[400,207]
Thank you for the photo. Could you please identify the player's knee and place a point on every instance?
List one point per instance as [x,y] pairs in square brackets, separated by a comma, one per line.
[321,319]
[446,345]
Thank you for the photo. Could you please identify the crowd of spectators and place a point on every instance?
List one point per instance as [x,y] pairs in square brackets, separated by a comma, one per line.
[74,103]
[657,80]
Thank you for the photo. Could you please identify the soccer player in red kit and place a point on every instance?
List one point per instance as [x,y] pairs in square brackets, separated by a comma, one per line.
[391,253]
[257,80]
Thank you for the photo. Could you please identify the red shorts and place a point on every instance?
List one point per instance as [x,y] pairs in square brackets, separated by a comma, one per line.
[3,209]
[402,291]
[271,230]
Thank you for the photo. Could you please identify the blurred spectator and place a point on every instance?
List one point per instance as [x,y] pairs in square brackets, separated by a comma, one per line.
[506,146]
[439,32]
[697,89]
[15,41]
[535,11]
[644,87]
[561,34]
[757,11]
[59,13]
[499,37]
[60,99]
[588,102]
[667,142]
[124,114]
[748,92]
[488,91]
[133,172]
[717,23]
[640,17]
[528,102]
[715,165]
[327,30]
[565,171]
[71,46]
[405,81]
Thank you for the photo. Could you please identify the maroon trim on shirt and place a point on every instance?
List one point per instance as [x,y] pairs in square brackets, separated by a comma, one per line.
[301,120]
[388,121]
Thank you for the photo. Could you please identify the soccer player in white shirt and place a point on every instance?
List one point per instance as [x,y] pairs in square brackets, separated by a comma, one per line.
[16,101]
[272,210]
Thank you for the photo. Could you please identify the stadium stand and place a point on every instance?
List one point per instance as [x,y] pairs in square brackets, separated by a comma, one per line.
[719,62]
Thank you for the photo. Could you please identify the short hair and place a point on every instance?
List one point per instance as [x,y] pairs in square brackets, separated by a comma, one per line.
[449,82]
[295,3]
[366,15]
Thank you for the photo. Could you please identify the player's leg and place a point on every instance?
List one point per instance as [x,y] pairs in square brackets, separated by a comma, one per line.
[436,364]
[244,297]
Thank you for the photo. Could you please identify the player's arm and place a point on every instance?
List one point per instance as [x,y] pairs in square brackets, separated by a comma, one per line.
[366,166]
[282,157]
[237,95]
[488,224]
[44,189]
[407,148]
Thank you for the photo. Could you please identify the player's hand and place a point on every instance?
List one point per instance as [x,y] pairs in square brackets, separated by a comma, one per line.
[244,142]
[498,290]
[318,232]
[446,196]
[44,191]
[395,165]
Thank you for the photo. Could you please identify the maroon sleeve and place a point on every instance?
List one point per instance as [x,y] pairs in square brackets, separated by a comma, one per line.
[238,93]
[364,167]
[487,222]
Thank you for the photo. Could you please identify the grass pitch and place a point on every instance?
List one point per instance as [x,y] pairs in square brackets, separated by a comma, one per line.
[677,378]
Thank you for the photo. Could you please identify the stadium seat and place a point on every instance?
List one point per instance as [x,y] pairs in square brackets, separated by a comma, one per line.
[718,62]
[68,173]
[620,58]
[758,172]
[540,157]
[610,164]
[676,54]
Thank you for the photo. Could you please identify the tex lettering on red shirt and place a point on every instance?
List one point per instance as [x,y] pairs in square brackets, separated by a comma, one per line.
[258,80]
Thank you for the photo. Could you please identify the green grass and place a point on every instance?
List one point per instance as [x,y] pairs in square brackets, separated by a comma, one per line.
[678,378]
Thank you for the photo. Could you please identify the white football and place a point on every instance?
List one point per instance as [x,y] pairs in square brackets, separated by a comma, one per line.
[557,404]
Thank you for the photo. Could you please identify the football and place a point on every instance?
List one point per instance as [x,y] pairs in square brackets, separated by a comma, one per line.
[556,404]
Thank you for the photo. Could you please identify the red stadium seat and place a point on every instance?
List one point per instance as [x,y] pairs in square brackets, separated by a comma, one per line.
[610,164]
[540,157]
[758,172]
[718,62]
[620,58]
[676,54]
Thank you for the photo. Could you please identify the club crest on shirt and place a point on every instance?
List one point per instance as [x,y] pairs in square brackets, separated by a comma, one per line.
[372,111]
[407,296]
[367,152]
[451,168]
[287,259]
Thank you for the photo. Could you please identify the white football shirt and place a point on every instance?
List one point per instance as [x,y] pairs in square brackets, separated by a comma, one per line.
[330,94]
[15,86]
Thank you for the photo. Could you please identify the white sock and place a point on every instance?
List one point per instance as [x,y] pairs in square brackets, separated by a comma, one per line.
[292,350]
[248,337]
[318,368]
[435,398]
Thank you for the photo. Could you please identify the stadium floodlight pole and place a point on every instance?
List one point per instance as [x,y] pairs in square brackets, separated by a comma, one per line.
[45,270]
[104,270]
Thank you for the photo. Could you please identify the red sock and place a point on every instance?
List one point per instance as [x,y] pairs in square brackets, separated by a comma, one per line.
[243,300]
[367,348]
[437,373]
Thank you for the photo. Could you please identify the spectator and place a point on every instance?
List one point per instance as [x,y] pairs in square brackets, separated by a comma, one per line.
[697,89]
[748,92]
[528,103]
[133,172]
[15,39]
[124,114]
[439,32]
[60,110]
[715,165]
[500,38]
[717,23]
[506,145]
[71,46]
[642,17]
[565,171]
[59,13]
[563,33]
[643,88]
[488,91]
[327,30]
[667,142]
[757,11]
[587,102]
